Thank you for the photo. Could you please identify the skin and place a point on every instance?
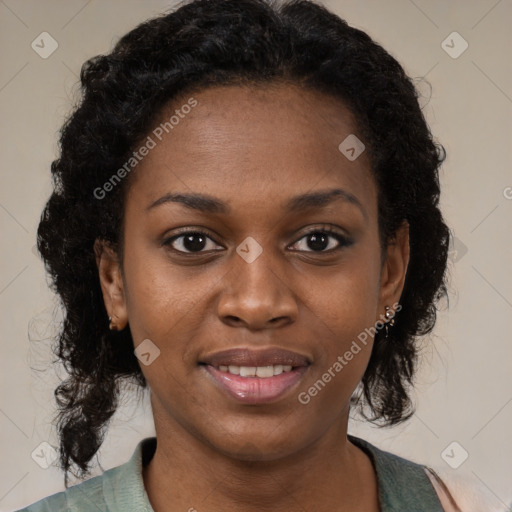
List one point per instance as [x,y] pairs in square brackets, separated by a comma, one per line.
[253,149]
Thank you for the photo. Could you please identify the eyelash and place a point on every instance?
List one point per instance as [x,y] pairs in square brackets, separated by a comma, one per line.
[342,240]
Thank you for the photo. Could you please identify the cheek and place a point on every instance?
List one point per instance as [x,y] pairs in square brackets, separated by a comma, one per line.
[346,302]
[341,354]
[160,298]
[162,307]
[343,322]
[167,305]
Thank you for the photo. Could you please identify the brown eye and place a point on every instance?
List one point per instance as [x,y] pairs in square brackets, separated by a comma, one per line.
[323,240]
[190,242]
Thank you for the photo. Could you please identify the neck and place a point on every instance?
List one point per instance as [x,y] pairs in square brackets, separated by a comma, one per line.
[330,473]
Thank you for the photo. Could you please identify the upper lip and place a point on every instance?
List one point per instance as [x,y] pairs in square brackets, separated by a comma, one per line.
[249,357]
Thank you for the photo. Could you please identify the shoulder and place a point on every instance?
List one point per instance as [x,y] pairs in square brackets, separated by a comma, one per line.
[118,489]
[404,483]
[463,492]
[55,503]
[83,496]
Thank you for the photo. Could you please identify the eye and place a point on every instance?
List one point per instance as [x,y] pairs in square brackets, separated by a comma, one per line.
[190,242]
[323,240]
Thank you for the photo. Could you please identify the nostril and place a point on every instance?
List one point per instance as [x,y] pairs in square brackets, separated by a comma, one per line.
[233,319]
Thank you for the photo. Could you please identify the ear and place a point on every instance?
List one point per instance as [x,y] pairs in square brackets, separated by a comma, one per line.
[394,268]
[111,282]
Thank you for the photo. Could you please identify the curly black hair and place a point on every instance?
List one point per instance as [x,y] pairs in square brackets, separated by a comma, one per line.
[224,42]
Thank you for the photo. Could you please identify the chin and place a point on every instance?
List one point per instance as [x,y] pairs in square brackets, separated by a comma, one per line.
[254,448]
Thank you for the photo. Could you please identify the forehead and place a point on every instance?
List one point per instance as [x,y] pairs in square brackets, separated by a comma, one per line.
[252,145]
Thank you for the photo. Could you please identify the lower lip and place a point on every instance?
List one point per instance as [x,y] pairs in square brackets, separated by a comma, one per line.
[256,390]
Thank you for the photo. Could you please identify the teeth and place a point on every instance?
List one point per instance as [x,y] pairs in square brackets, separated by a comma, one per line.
[247,371]
[235,370]
[256,371]
[278,369]
[264,371]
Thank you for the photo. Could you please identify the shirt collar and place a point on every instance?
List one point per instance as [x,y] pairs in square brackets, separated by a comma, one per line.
[123,486]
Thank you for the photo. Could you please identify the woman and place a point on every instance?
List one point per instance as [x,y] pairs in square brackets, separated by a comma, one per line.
[245,219]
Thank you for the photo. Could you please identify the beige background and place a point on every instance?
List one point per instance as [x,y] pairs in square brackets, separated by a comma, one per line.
[464,391]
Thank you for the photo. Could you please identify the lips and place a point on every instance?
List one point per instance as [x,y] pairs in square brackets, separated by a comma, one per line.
[256,377]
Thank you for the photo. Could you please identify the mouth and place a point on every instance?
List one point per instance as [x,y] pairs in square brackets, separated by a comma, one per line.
[256,377]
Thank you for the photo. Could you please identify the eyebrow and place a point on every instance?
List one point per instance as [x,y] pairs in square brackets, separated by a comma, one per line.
[208,204]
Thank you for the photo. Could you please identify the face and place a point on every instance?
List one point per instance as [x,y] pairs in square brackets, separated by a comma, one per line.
[251,240]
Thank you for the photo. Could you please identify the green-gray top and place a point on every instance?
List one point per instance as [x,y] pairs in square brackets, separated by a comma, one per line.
[403,486]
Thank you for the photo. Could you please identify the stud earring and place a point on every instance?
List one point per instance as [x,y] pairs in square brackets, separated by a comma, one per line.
[111,325]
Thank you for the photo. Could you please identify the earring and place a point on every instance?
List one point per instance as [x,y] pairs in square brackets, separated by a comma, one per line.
[111,326]
[390,317]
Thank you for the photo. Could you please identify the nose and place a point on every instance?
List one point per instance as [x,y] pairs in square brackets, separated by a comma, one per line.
[256,296]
